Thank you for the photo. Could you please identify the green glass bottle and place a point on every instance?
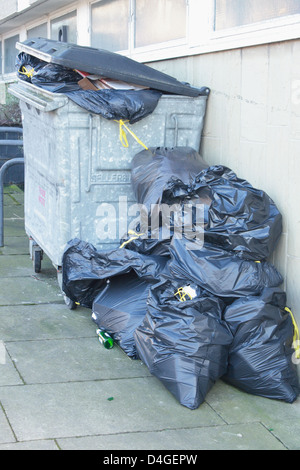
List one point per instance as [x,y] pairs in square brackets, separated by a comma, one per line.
[105,339]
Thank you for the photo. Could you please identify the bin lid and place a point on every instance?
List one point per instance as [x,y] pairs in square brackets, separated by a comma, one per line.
[106,64]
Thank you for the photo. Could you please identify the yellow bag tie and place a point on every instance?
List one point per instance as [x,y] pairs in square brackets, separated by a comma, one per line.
[182,294]
[123,136]
[296,338]
[27,72]
[135,236]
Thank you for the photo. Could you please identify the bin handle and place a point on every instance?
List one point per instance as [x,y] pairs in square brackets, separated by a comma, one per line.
[90,154]
[30,97]
[174,116]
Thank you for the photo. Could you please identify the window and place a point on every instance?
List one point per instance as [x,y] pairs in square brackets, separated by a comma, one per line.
[0,57]
[159,21]
[64,28]
[10,53]
[122,25]
[232,13]
[149,30]
[38,31]
[110,25]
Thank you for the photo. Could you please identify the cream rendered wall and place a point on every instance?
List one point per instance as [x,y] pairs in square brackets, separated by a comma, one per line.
[253,126]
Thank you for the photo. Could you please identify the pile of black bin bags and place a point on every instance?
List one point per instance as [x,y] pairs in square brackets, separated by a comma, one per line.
[194,312]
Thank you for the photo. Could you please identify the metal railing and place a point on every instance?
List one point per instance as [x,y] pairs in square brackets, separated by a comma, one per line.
[3,170]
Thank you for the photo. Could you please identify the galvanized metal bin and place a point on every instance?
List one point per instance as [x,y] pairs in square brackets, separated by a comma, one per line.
[77,172]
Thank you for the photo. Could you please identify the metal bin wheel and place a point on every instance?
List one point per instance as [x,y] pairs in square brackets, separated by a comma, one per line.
[70,303]
[37,261]
[36,254]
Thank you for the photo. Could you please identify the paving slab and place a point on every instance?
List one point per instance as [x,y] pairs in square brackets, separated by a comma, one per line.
[31,445]
[13,211]
[15,246]
[288,432]
[16,266]
[22,265]
[14,228]
[236,406]
[13,199]
[8,373]
[6,434]
[69,360]
[86,408]
[28,290]
[44,321]
[226,437]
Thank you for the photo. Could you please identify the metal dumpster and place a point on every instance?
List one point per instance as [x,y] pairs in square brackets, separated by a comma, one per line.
[77,172]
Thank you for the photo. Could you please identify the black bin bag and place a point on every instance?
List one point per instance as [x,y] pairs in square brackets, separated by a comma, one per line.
[220,272]
[26,65]
[159,175]
[241,218]
[128,105]
[86,270]
[184,343]
[261,354]
[143,243]
[56,78]
[120,308]
[51,77]
[162,179]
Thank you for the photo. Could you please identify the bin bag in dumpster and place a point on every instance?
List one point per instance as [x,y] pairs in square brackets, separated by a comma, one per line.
[159,175]
[184,344]
[260,357]
[120,308]
[51,77]
[220,272]
[106,64]
[26,65]
[85,270]
[241,218]
[56,79]
[127,105]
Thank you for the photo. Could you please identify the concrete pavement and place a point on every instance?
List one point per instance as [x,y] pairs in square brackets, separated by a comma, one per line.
[60,389]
